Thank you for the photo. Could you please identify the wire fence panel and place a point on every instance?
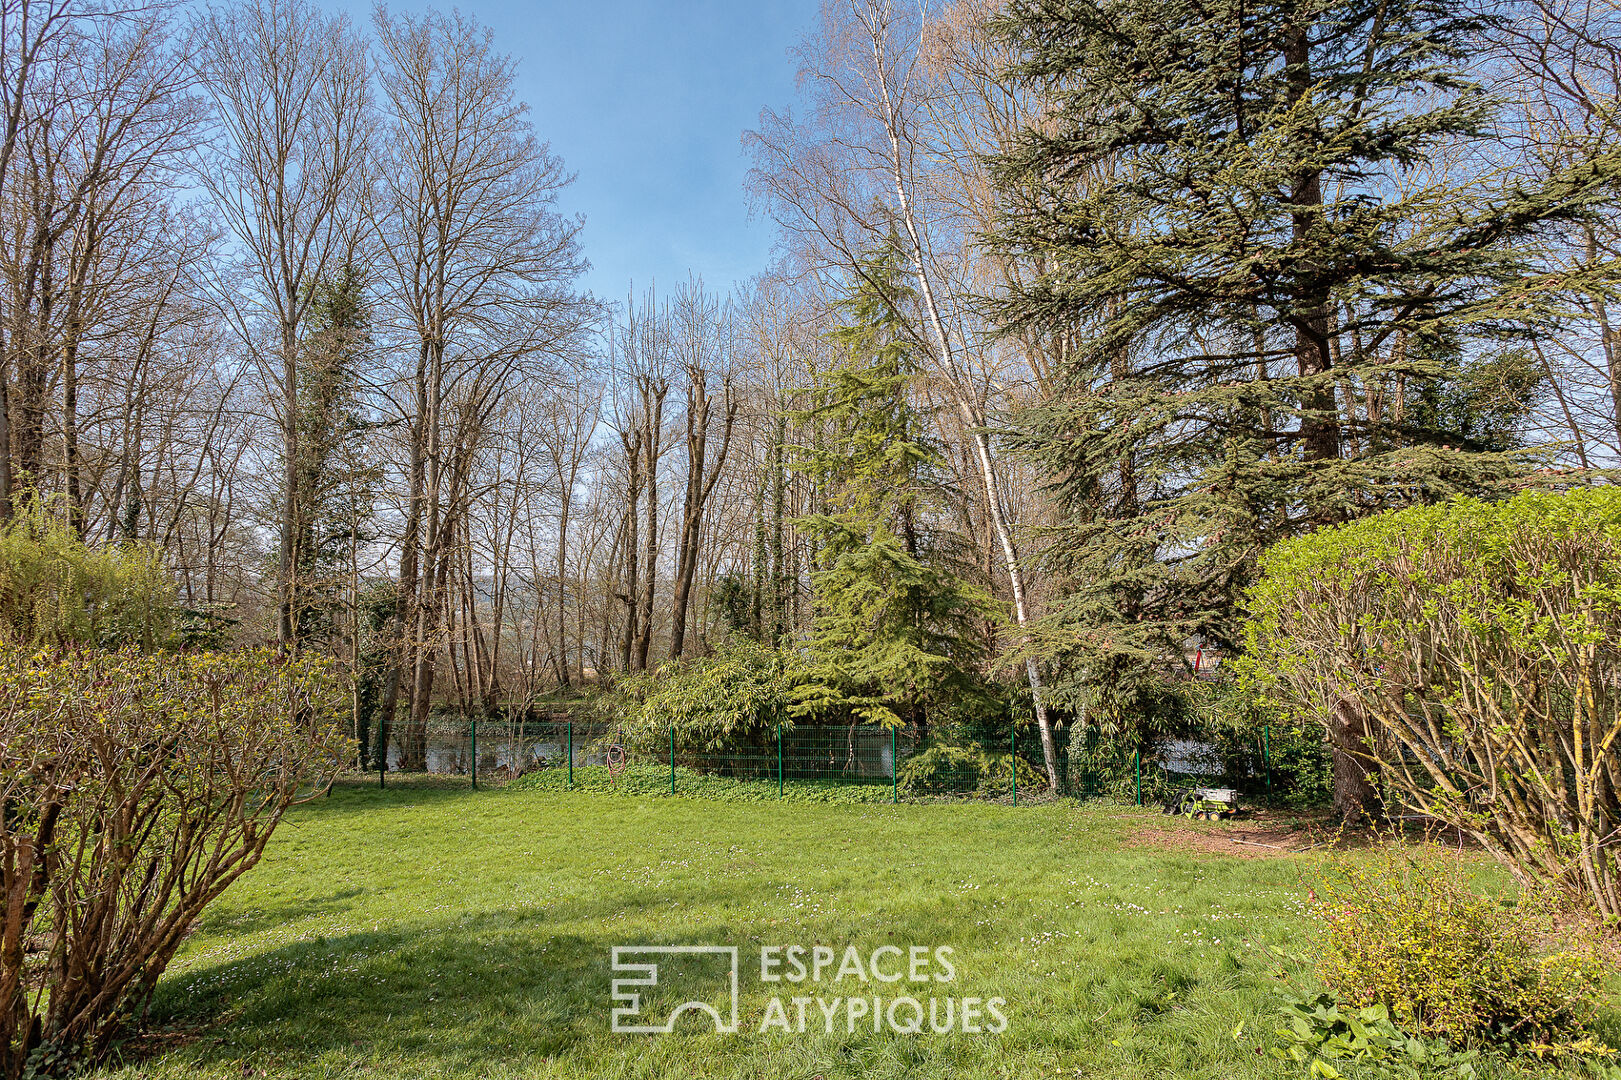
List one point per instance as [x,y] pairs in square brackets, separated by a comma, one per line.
[863,763]
[1167,767]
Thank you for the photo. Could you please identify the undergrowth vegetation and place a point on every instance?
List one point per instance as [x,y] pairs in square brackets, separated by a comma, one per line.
[1412,931]
[136,788]
[56,590]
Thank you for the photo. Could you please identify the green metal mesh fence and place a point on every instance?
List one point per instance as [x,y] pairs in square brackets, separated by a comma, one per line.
[857,763]
[860,763]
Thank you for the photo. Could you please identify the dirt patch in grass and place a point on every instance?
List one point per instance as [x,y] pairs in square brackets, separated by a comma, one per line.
[1271,834]
[1259,834]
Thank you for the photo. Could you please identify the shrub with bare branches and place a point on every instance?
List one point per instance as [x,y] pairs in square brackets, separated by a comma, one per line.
[1476,648]
[135,788]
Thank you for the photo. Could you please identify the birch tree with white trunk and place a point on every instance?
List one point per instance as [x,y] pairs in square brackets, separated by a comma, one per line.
[855,168]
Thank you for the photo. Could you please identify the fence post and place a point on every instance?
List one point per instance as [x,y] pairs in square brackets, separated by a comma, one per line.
[894,769]
[1013,755]
[571,755]
[1139,777]
[1091,782]
[672,759]
[1266,755]
[472,753]
[779,752]
[382,766]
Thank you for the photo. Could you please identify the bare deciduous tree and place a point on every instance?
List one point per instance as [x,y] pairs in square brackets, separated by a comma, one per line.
[284,166]
[478,278]
[702,339]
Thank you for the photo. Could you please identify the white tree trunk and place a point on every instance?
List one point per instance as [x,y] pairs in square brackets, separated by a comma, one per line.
[972,415]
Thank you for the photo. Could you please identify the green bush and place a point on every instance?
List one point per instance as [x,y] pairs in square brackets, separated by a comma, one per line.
[1321,1031]
[1252,740]
[1301,769]
[941,769]
[1469,654]
[1411,932]
[995,780]
[946,769]
[1101,757]
[137,787]
[652,780]
[713,703]
[57,590]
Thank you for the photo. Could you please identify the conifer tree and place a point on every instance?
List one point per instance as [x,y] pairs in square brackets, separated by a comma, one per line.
[893,624]
[1276,305]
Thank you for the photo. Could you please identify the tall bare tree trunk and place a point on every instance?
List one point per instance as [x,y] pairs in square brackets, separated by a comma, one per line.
[653,391]
[698,490]
[286,543]
[781,619]
[630,550]
[567,499]
[407,587]
[650,542]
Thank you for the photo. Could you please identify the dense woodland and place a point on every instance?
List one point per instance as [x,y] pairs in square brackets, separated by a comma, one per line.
[1078,308]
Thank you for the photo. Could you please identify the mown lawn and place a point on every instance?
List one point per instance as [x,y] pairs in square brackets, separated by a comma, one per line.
[436,932]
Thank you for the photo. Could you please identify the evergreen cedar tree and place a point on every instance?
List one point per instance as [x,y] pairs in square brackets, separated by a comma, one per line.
[894,620]
[1275,309]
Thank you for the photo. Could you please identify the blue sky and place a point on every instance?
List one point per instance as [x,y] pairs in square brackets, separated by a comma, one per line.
[646,102]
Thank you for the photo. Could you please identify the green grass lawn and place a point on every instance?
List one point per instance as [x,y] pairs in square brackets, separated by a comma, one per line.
[438,932]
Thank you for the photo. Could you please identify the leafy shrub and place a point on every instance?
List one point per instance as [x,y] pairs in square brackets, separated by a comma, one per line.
[1253,740]
[995,779]
[644,780]
[1296,755]
[713,703]
[1410,932]
[1479,645]
[136,788]
[1134,716]
[941,769]
[55,589]
[1214,713]
[946,769]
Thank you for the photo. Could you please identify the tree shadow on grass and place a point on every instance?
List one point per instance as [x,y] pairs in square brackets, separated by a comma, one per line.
[266,916]
[462,993]
[524,990]
[515,988]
